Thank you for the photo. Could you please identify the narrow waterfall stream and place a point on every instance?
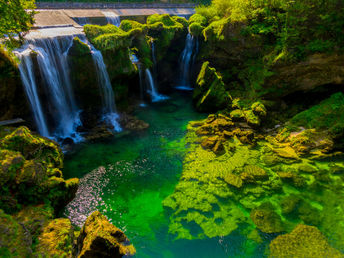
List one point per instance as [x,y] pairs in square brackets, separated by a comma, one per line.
[109,106]
[187,59]
[156,97]
[51,56]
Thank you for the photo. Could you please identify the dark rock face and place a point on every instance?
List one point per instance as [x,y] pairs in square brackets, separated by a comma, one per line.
[99,238]
[84,76]
[11,89]
[316,71]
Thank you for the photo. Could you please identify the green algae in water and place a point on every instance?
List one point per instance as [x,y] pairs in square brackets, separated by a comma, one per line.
[137,182]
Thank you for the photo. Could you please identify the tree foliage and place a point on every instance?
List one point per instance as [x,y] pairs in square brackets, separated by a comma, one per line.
[16,17]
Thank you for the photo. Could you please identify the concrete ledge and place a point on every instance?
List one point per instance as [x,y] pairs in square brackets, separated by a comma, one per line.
[74,5]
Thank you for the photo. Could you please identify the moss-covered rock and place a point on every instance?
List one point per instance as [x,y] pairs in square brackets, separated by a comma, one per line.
[31,172]
[14,241]
[210,94]
[266,219]
[56,239]
[34,218]
[303,241]
[99,238]
[33,147]
[326,116]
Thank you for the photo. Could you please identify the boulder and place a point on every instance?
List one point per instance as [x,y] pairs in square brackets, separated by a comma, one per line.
[99,238]
[303,241]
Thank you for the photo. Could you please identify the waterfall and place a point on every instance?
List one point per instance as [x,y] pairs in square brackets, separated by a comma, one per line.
[156,97]
[134,59]
[109,106]
[29,82]
[112,18]
[54,72]
[188,57]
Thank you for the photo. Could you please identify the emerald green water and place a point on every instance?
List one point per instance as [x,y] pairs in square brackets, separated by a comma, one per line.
[129,176]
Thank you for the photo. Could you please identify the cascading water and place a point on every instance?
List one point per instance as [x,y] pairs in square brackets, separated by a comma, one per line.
[187,60]
[51,54]
[109,106]
[134,59]
[29,82]
[156,97]
[112,18]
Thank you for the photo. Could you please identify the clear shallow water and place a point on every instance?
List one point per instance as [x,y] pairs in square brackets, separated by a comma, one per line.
[129,176]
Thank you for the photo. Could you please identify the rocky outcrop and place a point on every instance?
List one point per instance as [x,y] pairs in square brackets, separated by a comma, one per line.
[31,167]
[303,241]
[99,238]
[210,94]
[317,70]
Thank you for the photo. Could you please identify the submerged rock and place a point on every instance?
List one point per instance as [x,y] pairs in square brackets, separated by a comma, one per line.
[99,238]
[266,219]
[303,241]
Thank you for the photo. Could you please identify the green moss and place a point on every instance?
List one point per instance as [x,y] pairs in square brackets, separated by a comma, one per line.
[30,146]
[327,115]
[11,163]
[99,236]
[266,219]
[56,239]
[198,18]
[196,29]
[214,32]
[303,241]
[13,240]
[163,29]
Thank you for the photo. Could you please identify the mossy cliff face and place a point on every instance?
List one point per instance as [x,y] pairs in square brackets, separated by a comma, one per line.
[235,179]
[114,43]
[11,89]
[168,34]
[84,79]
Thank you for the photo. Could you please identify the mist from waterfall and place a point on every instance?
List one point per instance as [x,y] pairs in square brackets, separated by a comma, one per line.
[51,56]
[187,59]
[112,18]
